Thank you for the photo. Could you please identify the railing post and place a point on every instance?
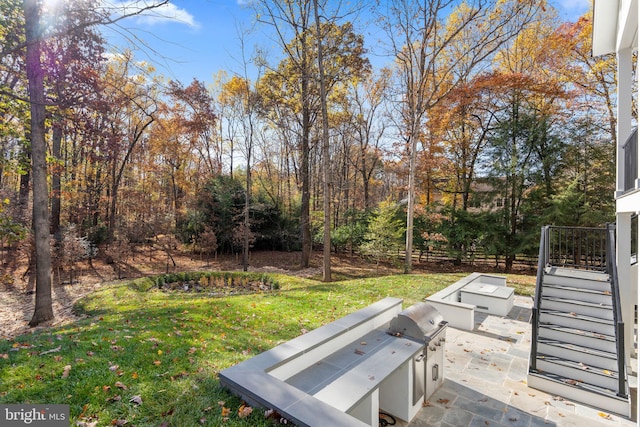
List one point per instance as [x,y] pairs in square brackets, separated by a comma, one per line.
[612,269]
[543,259]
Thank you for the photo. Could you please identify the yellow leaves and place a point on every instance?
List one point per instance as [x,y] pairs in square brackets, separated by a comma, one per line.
[605,416]
[225,411]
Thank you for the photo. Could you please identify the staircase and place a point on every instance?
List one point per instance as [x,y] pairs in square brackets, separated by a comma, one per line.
[576,319]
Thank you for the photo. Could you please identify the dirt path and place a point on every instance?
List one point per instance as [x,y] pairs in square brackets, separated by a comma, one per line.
[17,300]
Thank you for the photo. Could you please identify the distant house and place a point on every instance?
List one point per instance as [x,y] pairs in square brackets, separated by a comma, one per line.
[484,195]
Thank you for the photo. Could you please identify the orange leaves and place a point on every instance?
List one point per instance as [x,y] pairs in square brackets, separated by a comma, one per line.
[243,411]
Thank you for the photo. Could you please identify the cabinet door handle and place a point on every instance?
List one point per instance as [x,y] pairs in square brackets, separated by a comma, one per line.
[435,372]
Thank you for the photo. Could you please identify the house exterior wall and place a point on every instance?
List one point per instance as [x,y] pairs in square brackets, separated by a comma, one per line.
[615,30]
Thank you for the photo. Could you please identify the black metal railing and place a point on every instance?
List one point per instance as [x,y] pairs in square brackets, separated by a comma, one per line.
[580,248]
[576,247]
[630,150]
[612,269]
[535,314]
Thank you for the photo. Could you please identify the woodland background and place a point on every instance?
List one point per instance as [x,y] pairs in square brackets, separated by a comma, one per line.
[490,120]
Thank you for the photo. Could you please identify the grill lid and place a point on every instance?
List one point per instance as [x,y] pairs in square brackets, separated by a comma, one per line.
[421,322]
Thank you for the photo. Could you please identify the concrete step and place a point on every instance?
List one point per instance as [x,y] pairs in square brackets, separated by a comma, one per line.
[576,373]
[577,336]
[600,311]
[593,280]
[578,294]
[598,397]
[576,321]
[584,356]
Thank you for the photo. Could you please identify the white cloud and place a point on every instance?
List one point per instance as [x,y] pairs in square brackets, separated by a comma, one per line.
[164,14]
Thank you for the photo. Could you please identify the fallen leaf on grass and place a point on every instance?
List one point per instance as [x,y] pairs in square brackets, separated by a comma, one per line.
[244,411]
[157,362]
[113,368]
[137,399]
[65,373]
[116,398]
[53,350]
[225,411]
[120,385]
[4,355]
[119,422]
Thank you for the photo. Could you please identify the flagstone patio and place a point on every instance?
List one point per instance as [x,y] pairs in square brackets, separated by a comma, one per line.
[485,385]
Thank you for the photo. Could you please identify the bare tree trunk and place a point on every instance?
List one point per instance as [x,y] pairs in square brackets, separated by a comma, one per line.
[408,262]
[25,178]
[305,214]
[56,143]
[326,255]
[35,74]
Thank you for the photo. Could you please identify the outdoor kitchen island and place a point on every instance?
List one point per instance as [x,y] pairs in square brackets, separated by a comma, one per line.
[344,373]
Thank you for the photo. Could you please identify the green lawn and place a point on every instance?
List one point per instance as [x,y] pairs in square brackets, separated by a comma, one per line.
[166,348]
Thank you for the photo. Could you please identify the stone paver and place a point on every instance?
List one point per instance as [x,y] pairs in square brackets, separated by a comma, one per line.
[486,381]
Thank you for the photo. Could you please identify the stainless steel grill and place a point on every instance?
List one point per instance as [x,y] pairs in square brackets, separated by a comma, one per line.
[422,322]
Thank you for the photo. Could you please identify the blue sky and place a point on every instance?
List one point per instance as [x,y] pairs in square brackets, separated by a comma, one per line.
[197,38]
